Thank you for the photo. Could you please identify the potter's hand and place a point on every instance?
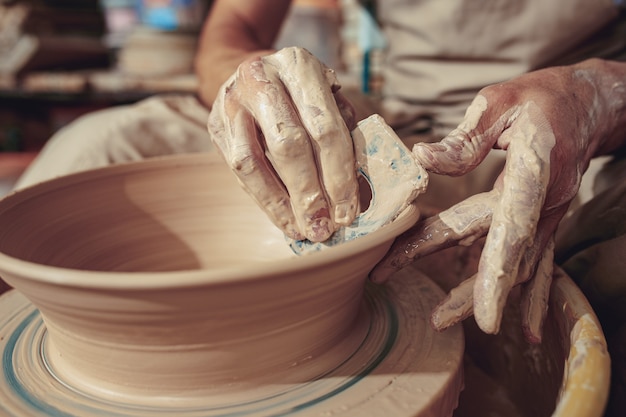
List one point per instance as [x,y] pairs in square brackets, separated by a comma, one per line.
[550,122]
[283,127]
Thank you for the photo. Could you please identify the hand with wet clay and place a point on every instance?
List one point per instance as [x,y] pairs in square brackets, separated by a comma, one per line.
[284,129]
[551,123]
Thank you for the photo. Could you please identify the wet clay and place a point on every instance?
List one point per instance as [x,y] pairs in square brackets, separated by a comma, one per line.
[127,311]
[161,284]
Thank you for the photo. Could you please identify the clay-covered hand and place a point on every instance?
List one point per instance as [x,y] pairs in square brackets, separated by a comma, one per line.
[551,123]
[284,129]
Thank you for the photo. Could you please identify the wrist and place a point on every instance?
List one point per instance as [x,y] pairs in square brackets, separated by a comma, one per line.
[609,80]
[214,69]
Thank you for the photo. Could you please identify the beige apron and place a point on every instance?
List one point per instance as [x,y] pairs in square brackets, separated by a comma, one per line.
[441,52]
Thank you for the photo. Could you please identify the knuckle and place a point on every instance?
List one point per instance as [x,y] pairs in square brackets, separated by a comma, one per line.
[292,52]
[301,53]
[250,66]
[251,73]
[295,55]
[243,162]
[323,127]
[226,107]
[289,142]
[507,92]
[325,136]
[215,126]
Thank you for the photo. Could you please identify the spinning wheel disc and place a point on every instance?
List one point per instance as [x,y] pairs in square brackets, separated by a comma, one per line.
[401,368]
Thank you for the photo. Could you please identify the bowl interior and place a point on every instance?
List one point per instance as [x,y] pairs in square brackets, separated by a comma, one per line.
[173,214]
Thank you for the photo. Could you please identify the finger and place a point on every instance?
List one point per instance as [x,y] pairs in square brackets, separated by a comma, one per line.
[535,294]
[467,145]
[524,183]
[347,111]
[343,104]
[289,148]
[456,307]
[535,273]
[324,123]
[246,157]
[462,223]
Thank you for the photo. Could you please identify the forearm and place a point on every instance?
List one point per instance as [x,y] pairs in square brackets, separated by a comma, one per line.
[233,32]
[214,68]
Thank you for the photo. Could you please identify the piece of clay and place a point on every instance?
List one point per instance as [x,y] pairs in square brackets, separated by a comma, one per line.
[393,174]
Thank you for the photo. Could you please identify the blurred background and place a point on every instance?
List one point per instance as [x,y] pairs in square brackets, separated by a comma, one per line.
[60,59]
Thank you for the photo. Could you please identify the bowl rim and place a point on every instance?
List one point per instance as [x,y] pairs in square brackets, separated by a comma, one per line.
[36,272]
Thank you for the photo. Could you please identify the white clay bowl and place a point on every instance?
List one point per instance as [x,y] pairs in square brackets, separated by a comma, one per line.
[164,277]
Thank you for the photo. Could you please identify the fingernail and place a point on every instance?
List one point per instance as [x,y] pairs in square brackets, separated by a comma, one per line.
[294,234]
[532,336]
[488,318]
[319,230]
[345,213]
[381,274]
[437,322]
[487,326]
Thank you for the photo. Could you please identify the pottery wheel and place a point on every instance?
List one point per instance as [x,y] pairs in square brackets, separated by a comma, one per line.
[402,368]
